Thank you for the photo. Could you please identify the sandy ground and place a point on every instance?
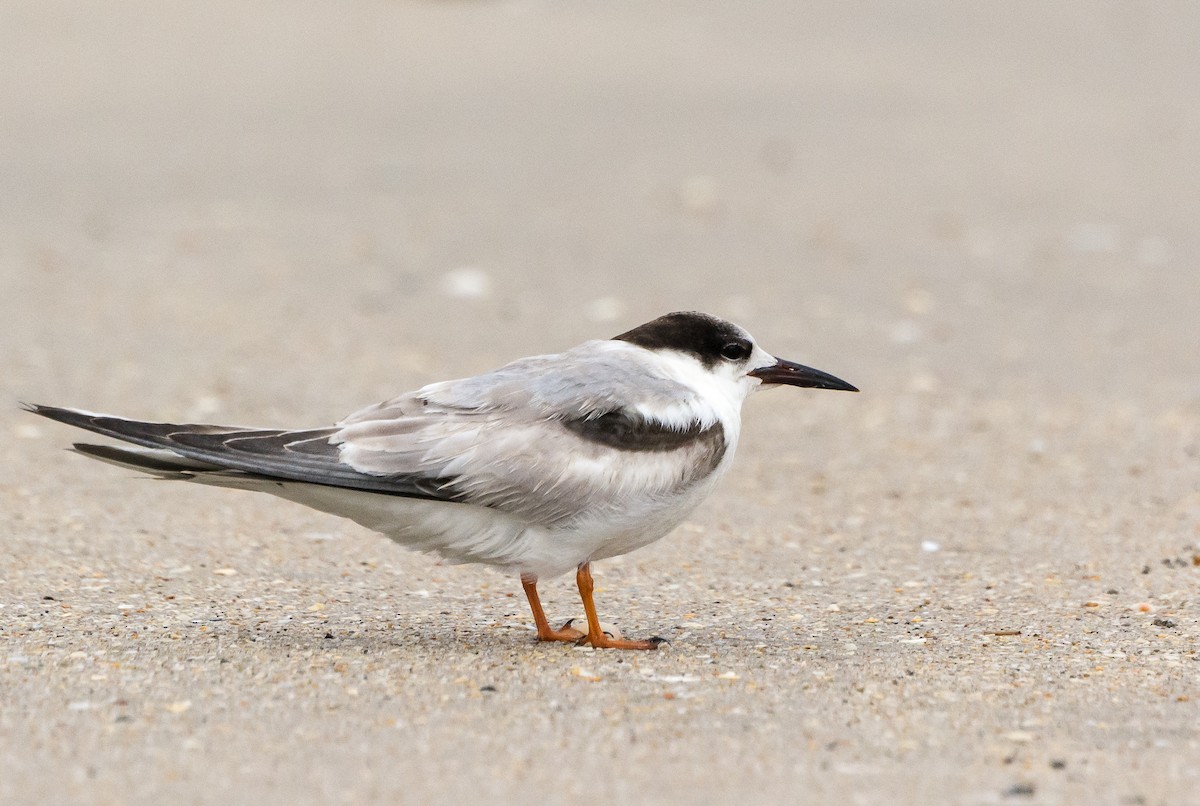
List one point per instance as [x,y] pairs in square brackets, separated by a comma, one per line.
[976,582]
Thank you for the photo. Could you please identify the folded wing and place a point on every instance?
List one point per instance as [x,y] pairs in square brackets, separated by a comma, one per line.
[305,455]
[550,439]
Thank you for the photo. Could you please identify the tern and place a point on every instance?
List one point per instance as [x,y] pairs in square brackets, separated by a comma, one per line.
[544,465]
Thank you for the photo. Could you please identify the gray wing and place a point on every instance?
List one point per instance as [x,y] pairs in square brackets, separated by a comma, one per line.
[549,438]
[306,455]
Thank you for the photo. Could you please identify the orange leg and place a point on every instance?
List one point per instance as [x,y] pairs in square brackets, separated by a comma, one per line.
[544,631]
[595,635]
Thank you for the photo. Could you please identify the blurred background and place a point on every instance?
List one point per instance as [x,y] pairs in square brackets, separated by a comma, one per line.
[294,199]
[272,213]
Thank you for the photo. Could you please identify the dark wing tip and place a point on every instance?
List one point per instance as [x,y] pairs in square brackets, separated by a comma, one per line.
[53,412]
[80,419]
[135,460]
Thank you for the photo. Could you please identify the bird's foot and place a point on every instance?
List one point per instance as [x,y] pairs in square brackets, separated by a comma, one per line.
[605,642]
[609,637]
[565,633]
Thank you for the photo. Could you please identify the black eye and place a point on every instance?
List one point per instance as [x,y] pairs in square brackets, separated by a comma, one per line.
[735,351]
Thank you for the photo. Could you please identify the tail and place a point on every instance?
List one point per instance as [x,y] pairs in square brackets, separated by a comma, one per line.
[160,463]
[420,512]
[172,448]
[233,455]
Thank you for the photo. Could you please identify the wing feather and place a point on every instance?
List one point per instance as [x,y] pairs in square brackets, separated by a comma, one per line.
[306,455]
[550,439]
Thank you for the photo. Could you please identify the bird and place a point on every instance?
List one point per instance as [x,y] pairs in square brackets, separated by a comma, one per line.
[546,464]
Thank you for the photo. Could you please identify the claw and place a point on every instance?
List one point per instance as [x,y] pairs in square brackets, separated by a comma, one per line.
[605,642]
[598,635]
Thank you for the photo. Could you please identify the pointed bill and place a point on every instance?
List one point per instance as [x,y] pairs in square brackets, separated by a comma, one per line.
[789,373]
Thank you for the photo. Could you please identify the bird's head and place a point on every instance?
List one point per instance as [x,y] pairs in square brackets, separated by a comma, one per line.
[726,353]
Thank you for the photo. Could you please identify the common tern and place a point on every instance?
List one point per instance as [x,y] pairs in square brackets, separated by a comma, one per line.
[543,465]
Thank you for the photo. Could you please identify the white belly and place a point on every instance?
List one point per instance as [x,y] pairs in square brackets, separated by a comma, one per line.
[463,533]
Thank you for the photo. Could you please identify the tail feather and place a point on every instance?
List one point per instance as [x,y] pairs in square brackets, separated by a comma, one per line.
[163,464]
[191,450]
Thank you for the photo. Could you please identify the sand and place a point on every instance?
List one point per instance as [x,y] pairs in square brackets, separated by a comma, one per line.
[975,582]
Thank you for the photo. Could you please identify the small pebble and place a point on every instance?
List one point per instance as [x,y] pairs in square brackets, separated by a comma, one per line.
[1021,736]
[918,301]
[906,331]
[604,309]
[1020,791]
[27,431]
[205,407]
[467,282]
